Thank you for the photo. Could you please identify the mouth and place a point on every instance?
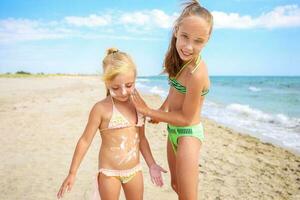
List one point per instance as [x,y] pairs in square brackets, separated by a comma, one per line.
[186,54]
[124,97]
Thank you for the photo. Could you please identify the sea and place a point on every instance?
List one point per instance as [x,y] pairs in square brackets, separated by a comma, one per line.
[266,107]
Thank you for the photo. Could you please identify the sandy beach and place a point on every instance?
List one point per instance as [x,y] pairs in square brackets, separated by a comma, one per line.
[42,119]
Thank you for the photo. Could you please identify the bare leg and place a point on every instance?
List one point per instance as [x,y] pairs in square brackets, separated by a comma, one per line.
[188,152]
[134,189]
[109,187]
[172,165]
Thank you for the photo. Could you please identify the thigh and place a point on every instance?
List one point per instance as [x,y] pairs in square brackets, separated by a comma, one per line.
[187,162]
[134,189]
[109,187]
[171,161]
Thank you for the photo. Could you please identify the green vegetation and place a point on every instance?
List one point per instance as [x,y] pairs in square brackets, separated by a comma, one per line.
[23,74]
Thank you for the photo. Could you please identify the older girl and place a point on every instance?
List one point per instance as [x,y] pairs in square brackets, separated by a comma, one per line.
[189,83]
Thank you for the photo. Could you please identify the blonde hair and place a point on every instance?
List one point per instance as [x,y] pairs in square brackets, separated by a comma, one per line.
[114,63]
[172,62]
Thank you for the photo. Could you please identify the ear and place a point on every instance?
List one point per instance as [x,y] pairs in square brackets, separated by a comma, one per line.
[175,31]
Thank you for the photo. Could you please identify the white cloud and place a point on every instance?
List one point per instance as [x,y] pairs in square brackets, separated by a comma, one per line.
[154,18]
[25,29]
[232,20]
[140,25]
[280,17]
[136,18]
[163,20]
[90,21]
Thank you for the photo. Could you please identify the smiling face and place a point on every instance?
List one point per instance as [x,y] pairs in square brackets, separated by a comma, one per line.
[122,86]
[192,34]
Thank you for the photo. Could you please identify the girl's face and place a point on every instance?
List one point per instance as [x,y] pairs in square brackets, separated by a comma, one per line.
[192,34]
[122,86]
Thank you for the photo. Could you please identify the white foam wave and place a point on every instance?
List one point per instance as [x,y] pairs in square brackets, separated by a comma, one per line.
[158,90]
[140,85]
[278,129]
[152,90]
[254,89]
[258,115]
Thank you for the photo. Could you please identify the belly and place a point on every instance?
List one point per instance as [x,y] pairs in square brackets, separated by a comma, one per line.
[176,101]
[119,149]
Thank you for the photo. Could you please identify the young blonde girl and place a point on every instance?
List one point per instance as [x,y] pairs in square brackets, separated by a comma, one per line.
[123,136]
[189,83]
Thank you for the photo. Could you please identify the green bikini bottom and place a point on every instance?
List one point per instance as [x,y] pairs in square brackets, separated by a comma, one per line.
[178,131]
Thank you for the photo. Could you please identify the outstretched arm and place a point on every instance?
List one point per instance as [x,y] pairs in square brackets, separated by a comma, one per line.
[154,169]
[183,117]
[164,107]
[81,149]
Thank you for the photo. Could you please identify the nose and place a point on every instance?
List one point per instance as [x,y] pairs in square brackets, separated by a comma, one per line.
[189,46]
[124,91]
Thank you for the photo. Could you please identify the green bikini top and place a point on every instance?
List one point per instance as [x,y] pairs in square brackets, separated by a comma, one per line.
[178,86]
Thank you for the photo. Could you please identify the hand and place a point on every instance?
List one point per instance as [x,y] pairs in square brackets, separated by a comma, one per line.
[153,121]
[66,185]
[155,173]
[139,103]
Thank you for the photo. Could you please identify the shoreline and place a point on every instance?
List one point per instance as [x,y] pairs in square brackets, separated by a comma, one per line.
[246,133]
[42,120]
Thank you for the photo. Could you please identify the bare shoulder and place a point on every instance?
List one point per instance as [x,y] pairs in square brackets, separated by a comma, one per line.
[199,78]
[199,74]
[101,107]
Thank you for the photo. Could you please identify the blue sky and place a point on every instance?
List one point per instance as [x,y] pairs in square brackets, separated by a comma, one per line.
[250,37]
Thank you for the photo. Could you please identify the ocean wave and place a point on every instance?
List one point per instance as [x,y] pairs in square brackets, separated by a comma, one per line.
[258,115]
[278,129]
[140,85]
[158,90]
[254,89]
[151,89]
[143,80]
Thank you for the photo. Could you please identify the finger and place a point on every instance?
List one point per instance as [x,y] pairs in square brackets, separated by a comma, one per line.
[69,188]
[61,192]
[136,94]
[132,98]
[136,99]
[133,93]
[161,181]
[157,181]
[150,121]
[152,180]
[164,171]
[153,121]
[58,194]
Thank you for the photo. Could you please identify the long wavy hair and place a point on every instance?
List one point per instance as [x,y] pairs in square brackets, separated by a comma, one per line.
[172,61]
